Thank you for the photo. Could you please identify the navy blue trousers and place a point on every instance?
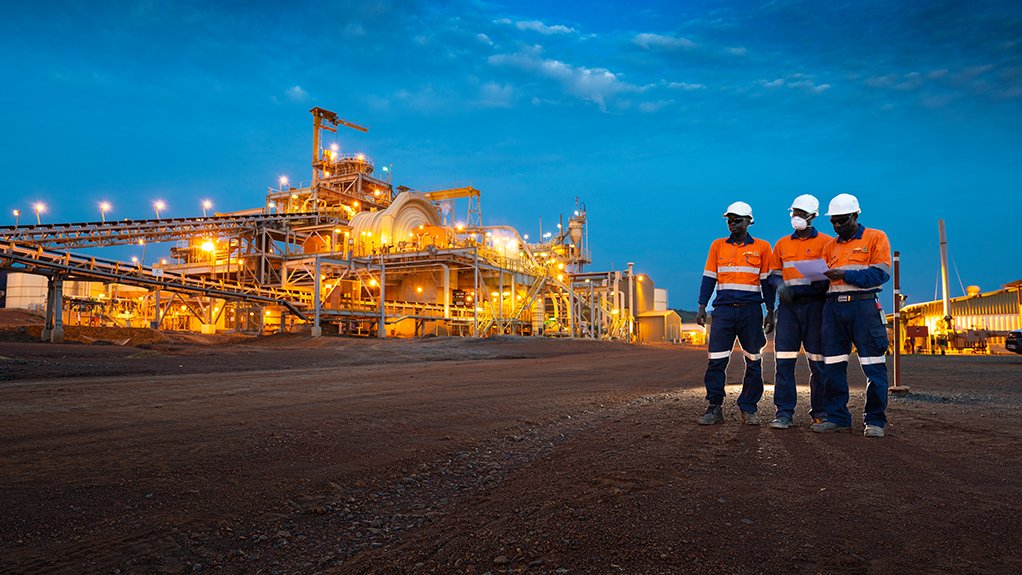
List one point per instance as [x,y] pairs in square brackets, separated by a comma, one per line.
[799,325]
[855,322]
[746,324]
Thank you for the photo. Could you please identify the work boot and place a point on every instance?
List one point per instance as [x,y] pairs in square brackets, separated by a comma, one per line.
[781,422]
[750,418]
[873,431]
[829,426]
[714,414]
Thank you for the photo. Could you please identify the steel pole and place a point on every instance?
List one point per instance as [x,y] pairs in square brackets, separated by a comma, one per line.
[897,387]
[382,332]
[317,330]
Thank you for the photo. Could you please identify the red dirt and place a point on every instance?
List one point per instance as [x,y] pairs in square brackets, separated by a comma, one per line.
[507,455]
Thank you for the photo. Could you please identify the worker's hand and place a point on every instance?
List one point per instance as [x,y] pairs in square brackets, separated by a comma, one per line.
[835,274]
[701,315]
[785,295]
[768,322]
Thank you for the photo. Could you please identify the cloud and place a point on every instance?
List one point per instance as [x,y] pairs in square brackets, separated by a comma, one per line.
[796,82]
[649,107]
[663,42]
[737,51]
[494,95]
[593,84]
[297,94]
[536,26]
[685,86]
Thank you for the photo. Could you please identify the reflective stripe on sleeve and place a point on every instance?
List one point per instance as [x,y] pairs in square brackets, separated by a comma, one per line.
[710,274]
[742,269]
[835,359]
[798,282]
[787,355]
[720,354]
[884,267]
[738,287]
[764,276]
[868,360]
[852,267]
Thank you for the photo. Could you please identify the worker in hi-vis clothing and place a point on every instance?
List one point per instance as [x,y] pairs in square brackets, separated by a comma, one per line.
[859,259]
[799,313]
[738,266]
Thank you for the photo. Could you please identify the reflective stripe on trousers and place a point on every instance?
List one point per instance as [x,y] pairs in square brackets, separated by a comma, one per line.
[798,325]
[846,323]
[744,323]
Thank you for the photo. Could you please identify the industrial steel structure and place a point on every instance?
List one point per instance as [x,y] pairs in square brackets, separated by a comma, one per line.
[348,254]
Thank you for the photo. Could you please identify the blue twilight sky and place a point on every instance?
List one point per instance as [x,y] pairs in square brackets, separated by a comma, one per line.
[657,115]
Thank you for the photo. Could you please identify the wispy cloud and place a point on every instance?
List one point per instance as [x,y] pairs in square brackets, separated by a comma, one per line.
[685,86]
[297,94]
[593,84]
[494,95]
[662,42]
[796,82]
[536,26]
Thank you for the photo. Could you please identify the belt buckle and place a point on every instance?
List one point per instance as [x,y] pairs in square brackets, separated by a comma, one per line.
[844,298]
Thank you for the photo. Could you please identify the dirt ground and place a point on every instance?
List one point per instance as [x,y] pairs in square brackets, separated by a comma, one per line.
[506,455]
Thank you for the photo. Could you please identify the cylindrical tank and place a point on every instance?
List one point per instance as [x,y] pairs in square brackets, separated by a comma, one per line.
[575,231]
[972,290]
[408,211]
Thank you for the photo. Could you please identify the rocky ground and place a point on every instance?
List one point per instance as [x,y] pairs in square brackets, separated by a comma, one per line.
[507,455]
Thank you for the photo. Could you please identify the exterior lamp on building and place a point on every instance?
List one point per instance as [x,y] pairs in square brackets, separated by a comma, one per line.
[206,204]
[104,207]
[283,183]
[17,218]
[39,208]
[141,242]
[159,205]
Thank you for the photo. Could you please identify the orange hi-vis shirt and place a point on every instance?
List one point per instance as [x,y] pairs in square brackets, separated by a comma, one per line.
[791,249]
[865,259]
[738,270]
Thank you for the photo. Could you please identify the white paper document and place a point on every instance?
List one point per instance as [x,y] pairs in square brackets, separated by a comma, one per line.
[812,269]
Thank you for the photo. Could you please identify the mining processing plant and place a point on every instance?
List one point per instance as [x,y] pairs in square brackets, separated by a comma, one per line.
[348,254]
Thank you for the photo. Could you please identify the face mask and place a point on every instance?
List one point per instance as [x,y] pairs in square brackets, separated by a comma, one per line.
[799,223]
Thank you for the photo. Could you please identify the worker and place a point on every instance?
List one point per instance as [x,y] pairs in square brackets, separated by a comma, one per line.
[800,312]
[738,267]
[859,259]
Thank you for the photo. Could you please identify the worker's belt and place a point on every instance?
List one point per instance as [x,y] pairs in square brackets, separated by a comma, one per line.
[852,296]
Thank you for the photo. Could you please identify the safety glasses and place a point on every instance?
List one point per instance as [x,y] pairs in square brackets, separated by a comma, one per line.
[841,220]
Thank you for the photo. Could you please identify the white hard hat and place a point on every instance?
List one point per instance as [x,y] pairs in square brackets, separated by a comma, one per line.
[740,209]
[807,203]
[843,204]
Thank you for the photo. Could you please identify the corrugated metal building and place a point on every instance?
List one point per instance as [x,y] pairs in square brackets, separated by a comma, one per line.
[979,321]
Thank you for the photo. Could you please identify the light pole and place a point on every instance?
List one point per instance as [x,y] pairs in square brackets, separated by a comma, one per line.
[39,208]
[104,207]
[141,242]
[159,205]
[17,218]
[206,204]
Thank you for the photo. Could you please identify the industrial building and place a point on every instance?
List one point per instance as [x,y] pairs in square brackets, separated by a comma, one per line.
[976,322]
[348,254]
